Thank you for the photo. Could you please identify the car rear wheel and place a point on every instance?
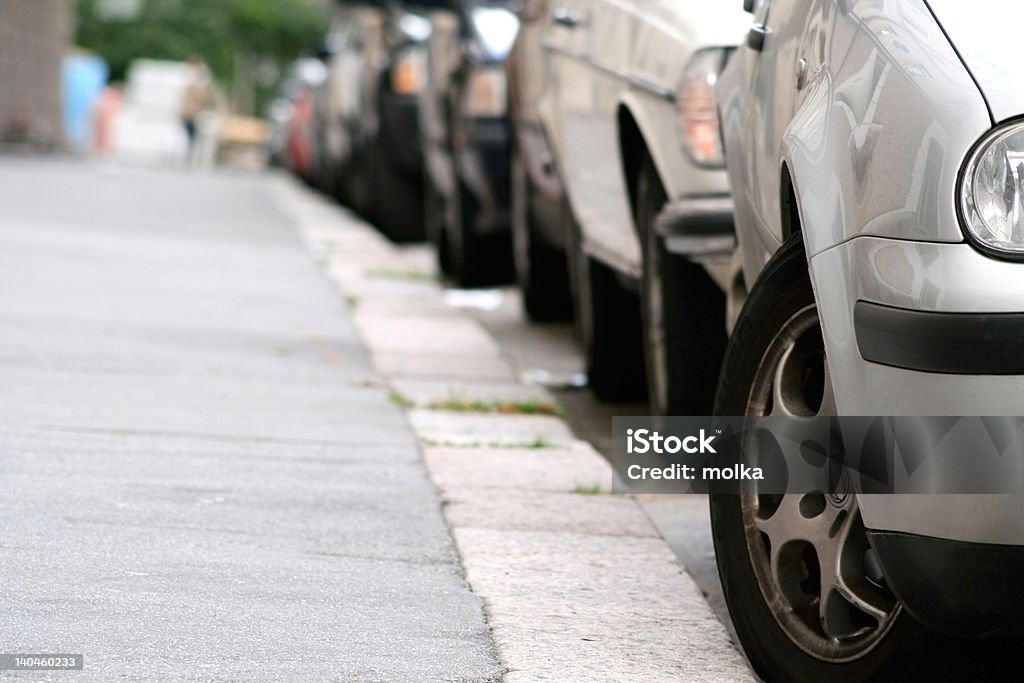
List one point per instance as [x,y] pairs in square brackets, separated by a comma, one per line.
[398,200]
[806,598]
[476,259]
[609,329]
[542,271]
[434,223]
[683,316]
[355,184]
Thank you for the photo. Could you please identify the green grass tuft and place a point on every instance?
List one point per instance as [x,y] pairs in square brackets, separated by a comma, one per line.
[401,400]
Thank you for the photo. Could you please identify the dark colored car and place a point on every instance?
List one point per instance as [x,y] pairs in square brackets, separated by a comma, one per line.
[368,113]
[466,140]
[543,230]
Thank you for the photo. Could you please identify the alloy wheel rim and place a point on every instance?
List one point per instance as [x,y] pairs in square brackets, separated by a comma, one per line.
[808,551]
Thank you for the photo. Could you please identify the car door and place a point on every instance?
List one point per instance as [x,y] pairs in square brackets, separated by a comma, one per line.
[772,53]
[569,93]
[599,193]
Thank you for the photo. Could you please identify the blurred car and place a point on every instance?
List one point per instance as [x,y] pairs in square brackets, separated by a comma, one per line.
[875,151]
[291,137]
[149,125]
[539,212]
[629,111]
[464,119]
[367,120]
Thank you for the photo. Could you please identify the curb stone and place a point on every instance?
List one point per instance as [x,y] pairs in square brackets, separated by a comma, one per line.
[577,583]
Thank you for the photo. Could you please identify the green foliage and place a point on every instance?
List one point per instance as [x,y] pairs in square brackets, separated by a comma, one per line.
[233,36]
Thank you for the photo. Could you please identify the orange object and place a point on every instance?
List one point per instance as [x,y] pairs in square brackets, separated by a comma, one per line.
[107,110]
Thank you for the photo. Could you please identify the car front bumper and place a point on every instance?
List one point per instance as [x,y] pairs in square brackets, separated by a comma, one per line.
[971,589]
[927,329]
[878,296]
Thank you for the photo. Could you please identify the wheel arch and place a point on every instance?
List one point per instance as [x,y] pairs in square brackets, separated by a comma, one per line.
[789,206]
[634,131]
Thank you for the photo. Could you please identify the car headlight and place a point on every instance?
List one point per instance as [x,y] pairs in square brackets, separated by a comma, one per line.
[698,110]
[992,191]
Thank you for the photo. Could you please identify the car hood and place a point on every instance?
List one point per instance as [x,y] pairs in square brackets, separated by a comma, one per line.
[986,34]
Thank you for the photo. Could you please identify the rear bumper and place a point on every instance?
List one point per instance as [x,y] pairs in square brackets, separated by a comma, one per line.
[953,586]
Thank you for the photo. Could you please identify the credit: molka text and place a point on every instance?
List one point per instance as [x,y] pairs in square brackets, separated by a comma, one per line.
[644,442]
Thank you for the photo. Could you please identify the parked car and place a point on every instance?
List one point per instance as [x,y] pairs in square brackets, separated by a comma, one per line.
[367,112]
[539,213]
[292,143]
[874,151]
[629,111]
[464,119]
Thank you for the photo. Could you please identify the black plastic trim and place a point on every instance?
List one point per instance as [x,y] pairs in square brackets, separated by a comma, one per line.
[957,587]
[698,227]
[697,217]
[946,343]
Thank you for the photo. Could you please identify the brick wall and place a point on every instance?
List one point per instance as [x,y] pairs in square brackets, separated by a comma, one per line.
[34,37]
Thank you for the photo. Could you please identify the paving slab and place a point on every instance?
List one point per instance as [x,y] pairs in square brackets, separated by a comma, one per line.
[511,469]
[427,336]
[566,606]
[575,512]
[443,428]
[443,367]
[422,393]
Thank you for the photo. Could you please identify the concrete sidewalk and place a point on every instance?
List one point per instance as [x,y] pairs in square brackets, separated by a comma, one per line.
[204,478]
[577,583]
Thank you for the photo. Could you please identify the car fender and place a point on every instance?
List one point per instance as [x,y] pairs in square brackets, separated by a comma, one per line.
[882,127]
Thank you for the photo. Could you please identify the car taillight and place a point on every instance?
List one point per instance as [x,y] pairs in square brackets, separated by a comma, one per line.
[407,75]
[486,93]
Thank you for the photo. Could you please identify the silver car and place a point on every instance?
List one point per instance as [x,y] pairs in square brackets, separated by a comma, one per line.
[626,105]
[876,154]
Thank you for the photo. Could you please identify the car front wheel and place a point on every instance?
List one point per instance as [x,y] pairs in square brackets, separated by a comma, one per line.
[806,598]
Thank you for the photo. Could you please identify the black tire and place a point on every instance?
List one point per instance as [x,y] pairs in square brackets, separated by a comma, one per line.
[899,648]
[355,184]
[542,271]
[476,259]
[398,200]
[683,316]
[434,219]
[609,329]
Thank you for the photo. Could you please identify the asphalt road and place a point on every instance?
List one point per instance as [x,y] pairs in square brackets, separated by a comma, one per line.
[201,480]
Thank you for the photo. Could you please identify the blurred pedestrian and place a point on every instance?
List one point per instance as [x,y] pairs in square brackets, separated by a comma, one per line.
[198,97]
[107,109]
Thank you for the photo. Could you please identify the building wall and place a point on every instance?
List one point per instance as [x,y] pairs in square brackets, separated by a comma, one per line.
[34,37]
